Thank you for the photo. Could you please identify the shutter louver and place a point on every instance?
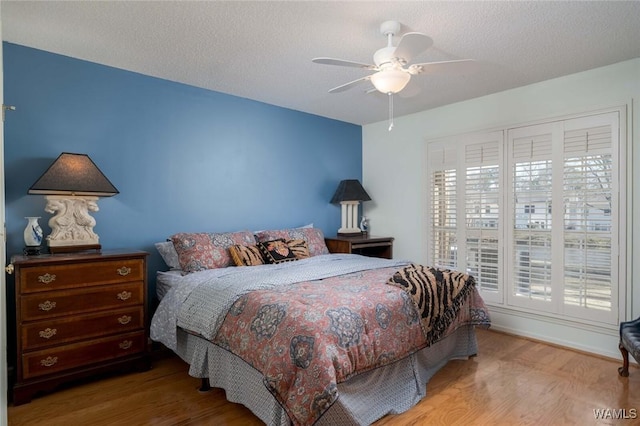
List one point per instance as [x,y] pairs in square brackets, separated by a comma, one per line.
[443,157]
[596,140]
[532,194]
[443,184]
[588,218]
[444,218]
[532,147]
[482,207]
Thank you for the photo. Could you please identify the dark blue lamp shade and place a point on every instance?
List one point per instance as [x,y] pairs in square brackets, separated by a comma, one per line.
[350,190]
[73,174]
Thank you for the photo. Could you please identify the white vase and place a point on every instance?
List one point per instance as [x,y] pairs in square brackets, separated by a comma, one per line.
[364,224]
[33,232]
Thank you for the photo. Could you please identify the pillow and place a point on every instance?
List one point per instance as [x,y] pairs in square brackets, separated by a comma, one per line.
[246,255]
[312,236]
[200,251]
[169,254]
[308,225]
[299,248]
[276,251]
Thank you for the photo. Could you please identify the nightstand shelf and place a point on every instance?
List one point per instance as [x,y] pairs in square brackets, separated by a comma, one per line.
[362,244]
[78,315]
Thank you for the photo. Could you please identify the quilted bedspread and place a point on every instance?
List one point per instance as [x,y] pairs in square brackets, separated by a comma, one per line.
[307,336]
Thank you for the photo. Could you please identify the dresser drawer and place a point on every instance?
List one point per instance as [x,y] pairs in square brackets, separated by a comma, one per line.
[91,299]
[69,329]
[62,358]
[61,276]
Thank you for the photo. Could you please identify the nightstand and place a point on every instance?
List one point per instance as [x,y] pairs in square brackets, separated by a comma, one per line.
[78,315]
[365,245]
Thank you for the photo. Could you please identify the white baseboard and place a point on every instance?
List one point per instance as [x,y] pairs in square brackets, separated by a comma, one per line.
[598,341]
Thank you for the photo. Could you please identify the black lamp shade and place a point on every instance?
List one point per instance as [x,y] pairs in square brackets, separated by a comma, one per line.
[350,190]
[73,174]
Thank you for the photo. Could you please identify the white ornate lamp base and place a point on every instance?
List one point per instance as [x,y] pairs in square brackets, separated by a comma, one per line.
[349,219]
[71,225]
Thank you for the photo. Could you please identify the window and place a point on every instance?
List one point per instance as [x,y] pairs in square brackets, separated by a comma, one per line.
[463,235]
[563,261]
[590,187]
[443,208]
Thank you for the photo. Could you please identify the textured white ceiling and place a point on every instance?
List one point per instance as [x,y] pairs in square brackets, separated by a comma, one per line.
[262,50]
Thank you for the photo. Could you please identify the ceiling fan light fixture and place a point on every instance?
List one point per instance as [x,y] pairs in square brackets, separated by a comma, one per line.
[390,80]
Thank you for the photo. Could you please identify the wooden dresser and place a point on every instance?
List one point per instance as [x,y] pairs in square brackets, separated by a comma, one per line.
[78,315]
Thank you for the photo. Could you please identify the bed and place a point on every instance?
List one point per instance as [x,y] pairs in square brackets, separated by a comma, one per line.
[306,337]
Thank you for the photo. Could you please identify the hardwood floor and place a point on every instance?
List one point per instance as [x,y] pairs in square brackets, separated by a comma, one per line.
[512,381]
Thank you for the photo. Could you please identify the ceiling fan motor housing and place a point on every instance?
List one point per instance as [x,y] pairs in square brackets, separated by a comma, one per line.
[390,27]
[384,56]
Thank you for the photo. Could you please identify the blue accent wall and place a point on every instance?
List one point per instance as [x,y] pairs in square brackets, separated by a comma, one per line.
[183,158]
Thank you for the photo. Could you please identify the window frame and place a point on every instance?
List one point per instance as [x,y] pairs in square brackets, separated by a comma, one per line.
[558,308]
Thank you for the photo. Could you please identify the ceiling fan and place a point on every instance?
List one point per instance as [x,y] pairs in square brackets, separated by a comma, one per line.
[392,63]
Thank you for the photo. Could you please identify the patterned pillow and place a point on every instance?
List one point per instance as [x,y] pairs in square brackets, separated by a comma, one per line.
[276,251]
[168,253]
[200,251]
[246,255]
[312,236]
[299,248]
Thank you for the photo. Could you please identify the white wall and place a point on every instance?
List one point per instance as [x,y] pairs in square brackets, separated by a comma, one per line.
[393,175]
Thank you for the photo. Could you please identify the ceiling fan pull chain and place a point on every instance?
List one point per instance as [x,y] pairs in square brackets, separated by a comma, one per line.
[390,111]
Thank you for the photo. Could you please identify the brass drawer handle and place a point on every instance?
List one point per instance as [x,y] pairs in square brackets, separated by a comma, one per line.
[47,306]
[125,319]
[49,361]
[124,295]
[124,271]
[126,344]
[46,278]
[48,333]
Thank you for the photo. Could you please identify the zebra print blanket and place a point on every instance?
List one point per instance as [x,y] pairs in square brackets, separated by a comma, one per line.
[437,294]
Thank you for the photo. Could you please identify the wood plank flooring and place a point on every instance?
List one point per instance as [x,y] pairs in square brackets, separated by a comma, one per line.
[511,381]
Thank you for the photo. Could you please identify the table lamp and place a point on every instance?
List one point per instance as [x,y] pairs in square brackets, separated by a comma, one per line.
[72,185]
[349,194]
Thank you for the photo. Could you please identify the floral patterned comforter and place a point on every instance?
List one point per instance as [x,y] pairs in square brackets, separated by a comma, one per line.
[306,337]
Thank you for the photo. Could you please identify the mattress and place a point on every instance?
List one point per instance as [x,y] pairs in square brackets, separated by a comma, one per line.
[165,281]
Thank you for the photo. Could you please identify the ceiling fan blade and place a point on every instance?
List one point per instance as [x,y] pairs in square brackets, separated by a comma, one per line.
[411,45]
[343,63]
[349,85]
[457,66]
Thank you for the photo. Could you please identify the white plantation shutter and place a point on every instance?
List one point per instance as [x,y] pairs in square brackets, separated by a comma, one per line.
[595,140]
[530,207]
[464,208]
[532,147]
[443,156]
[590,189]
[443,206]
[482,200]
[536,215]
[444,215]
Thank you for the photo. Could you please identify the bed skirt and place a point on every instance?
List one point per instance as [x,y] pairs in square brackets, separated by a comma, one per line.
[362,399]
